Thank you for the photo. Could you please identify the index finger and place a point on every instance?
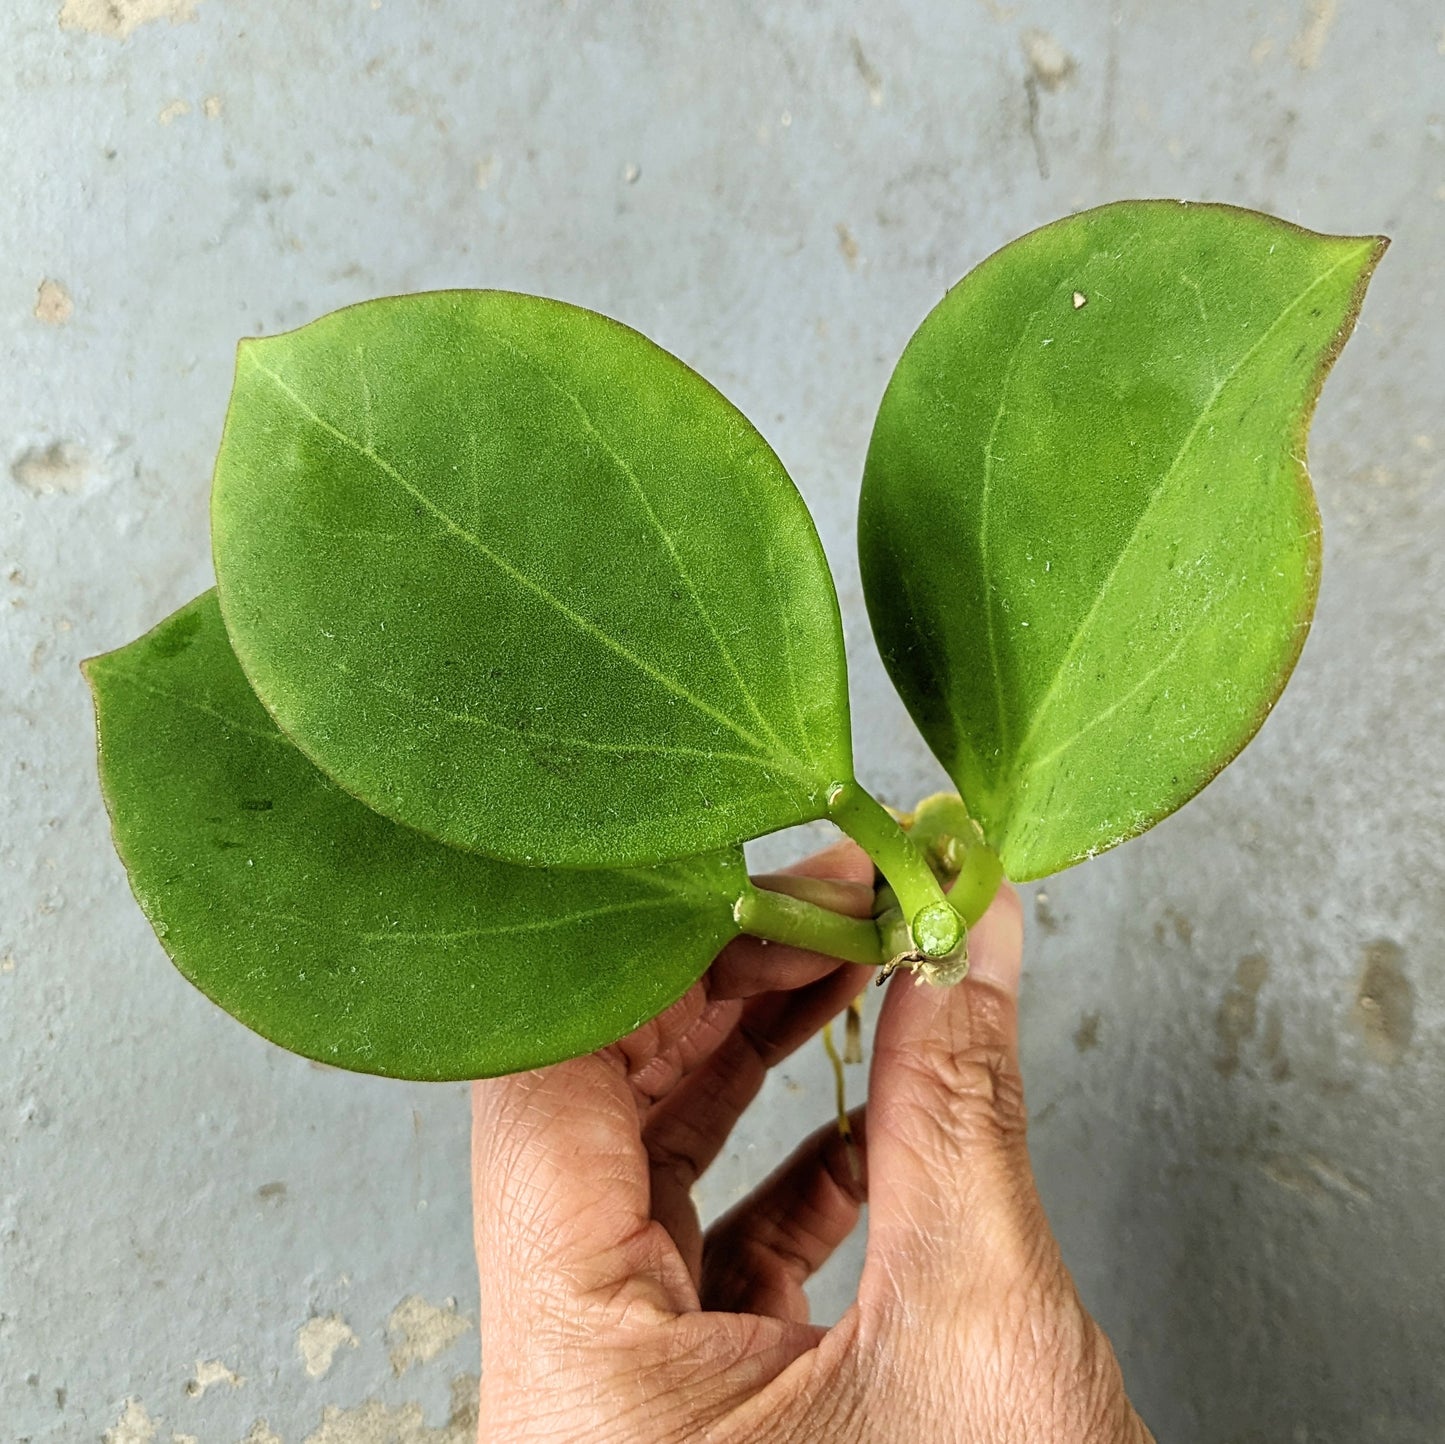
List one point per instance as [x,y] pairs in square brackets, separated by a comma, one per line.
[748,966]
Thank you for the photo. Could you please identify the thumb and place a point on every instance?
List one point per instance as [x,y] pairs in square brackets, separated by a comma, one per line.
[955,1222]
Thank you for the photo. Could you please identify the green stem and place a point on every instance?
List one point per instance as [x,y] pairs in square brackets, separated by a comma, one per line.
[978,882]
[935,925]
[779,918]
[957,851]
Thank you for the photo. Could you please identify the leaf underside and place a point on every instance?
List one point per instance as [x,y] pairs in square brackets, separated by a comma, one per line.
[515,576]
[348,938]
[1089,544]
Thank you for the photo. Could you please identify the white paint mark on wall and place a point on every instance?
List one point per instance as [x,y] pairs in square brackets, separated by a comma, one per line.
[174,111]
[375,1423]
[118,18]
[62,467]
[185,1439]
[418,1331]
[371,1423]
[1309,44]
[134,1426]
[1050,63]
[53,304]
[210,1372]
[212,106]
[318,1340]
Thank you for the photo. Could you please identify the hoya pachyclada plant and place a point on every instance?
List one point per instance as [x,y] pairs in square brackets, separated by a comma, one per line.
[521,630]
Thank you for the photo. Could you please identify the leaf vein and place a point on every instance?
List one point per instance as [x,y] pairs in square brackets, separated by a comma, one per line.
[1186,636]
[527,734]
[190,703]
[515,575]
[1051,694]
[635,482]
[532,925]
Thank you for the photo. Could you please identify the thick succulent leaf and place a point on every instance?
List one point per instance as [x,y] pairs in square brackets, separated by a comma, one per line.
[346,937]
[1090,547]
[515,576]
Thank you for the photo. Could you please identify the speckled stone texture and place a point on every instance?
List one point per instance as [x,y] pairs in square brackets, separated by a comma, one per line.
[1232,1026]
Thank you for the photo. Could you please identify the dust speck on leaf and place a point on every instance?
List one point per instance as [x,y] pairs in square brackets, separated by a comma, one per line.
[118,18]
[1080,300]
[1049,63]
[1384,1009]
[318,1340]
[53,304]
[418,1331]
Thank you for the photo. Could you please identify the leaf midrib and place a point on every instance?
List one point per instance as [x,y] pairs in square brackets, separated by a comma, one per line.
[532,925]
[635,482]
[1020,768]
[759,751]
[474,719]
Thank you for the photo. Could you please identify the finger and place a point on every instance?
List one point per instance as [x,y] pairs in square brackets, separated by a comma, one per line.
[758,1256]
[664,1051]
[749,965]
[954,1211]
[561,1201]
[684,1133]
[661,1053]
[843,860]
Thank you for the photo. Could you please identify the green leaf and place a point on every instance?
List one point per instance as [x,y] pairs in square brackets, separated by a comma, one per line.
[515,576]
[348,938]
[1090,547]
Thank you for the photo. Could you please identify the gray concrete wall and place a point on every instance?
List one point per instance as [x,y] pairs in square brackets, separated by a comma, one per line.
[1244,1159]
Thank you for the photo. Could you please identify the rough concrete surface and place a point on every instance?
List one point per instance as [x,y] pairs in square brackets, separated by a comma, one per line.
[1233,1026]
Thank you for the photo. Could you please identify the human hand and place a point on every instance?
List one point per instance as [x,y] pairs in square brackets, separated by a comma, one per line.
[608,1317]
